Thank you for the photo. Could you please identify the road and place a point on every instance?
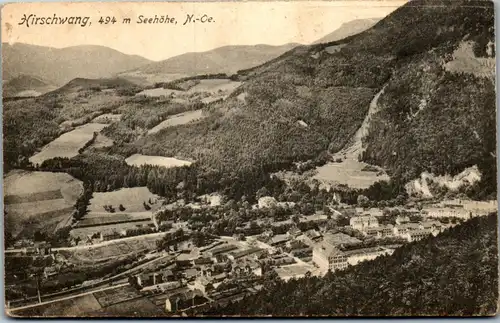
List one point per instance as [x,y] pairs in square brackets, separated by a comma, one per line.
[92,288]
[100,244]
[66,298]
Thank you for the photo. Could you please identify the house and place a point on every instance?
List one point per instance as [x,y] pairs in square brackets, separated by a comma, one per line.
[206,271]
[29,250]
[402,219]
[43,248]
[366,254]
[183,301]
[314,235]
[449,213]
[279,239]
[203,261]
[184,260]
[50,271]
[417,235]
[267,202]
[339,238]
[371,232]
[242,253]
[203,284]
[294,232]
[219,277]
[385,231]
[402,229]
[362,222]
[328,257]
[247,268]
[145,280]
[165,276]
[190,273]
[431,225]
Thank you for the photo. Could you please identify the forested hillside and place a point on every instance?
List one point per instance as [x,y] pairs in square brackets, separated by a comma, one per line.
[455,273]
[328,87]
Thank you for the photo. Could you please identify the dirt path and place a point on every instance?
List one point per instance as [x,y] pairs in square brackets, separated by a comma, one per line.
[355,146]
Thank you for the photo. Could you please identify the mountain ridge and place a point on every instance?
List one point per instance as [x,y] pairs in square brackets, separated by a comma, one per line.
[60,65]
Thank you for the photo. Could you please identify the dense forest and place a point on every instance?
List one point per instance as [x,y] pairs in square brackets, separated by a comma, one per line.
[455,273]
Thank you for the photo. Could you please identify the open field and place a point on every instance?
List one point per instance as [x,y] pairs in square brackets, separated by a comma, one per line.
[465,61]
[177,119]
[139,160]
[84,232]
[131,198]
[110,250]
[40,199]
[144,79]
[68,144]
[160,92]
[348,172]
[215,86]
[101,141]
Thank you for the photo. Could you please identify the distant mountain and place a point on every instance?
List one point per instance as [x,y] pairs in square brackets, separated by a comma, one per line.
[227,59]
[59,66]
[25,85]
[347,29]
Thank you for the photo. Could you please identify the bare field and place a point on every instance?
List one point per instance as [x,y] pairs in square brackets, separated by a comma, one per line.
[348,172]
[68,144]
[177,119]
[38,200]
[111,250]
[101,141]
[168,162]
[131,198]
[160,92]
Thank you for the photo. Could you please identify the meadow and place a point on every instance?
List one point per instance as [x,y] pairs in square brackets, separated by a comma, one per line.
[68,144]
[41,199]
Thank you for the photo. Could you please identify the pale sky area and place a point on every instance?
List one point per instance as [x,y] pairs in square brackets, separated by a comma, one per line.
[235,23]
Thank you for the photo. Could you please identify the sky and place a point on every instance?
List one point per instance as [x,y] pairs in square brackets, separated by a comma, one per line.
[233,23]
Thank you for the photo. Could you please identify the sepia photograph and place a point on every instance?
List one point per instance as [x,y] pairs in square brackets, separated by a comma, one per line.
[250,159]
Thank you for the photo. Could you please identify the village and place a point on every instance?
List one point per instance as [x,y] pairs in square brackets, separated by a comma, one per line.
[184,274]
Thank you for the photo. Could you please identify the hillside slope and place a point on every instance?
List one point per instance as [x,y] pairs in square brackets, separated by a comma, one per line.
[25,85]
[453,274]
[329,87]
[60,65]
[227,59]
[348,29]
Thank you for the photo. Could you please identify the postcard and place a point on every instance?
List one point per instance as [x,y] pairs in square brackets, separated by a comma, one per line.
[250,159]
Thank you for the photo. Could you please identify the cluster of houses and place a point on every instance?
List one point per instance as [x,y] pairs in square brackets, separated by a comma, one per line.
[410,231]
[195,279]
[329,257]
